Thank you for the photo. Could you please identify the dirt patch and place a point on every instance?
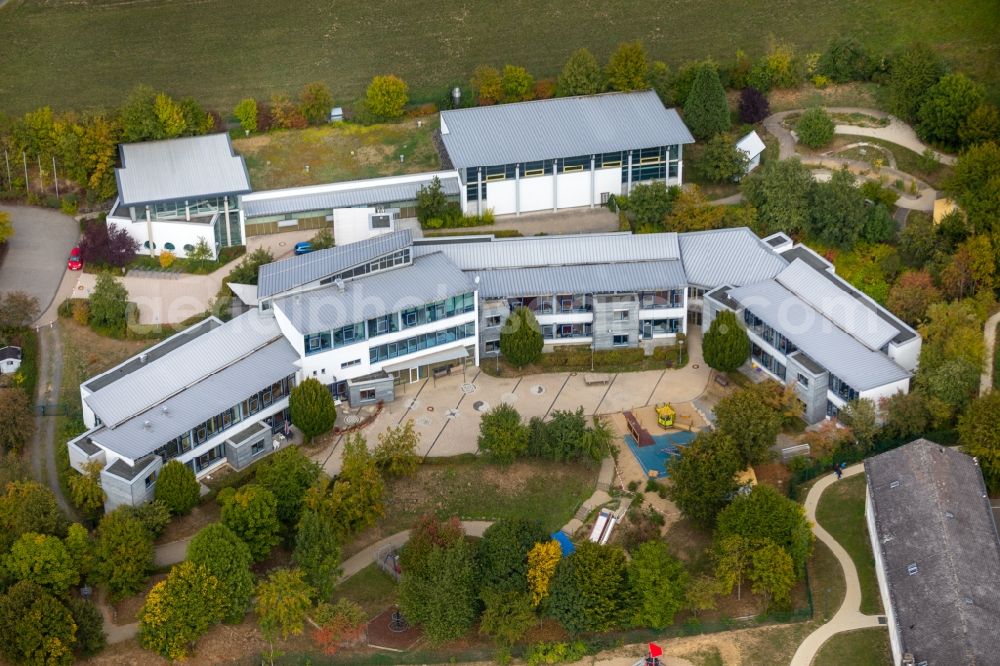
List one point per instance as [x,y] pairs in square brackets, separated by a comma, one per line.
[382,634]
[126,611]
[95,353]
[183,527]
[773,474]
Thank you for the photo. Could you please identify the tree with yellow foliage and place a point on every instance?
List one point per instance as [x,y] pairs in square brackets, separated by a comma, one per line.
[542,562]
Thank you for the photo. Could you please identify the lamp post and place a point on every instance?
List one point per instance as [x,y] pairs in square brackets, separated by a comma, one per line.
[680,352]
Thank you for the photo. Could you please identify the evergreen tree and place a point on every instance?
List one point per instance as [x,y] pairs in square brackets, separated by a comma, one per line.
[177,488]
[312,408]
[581,75]
[108,305]
[317,552]
[726,345]
[706,110]
[521,339]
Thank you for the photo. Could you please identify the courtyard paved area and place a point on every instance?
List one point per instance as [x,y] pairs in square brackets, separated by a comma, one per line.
[446,412]
[36,258]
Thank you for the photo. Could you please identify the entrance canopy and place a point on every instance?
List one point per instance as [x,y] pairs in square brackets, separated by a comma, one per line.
[437,357]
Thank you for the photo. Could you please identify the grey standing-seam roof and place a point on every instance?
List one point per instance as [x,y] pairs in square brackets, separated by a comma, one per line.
[304,199]
[210,396]
[190,167]
[727,257]
[285,274]
[188,364]
[430,278]
[8,353]
[940,553]
[856,318]
[595,278]
[559,127]
[818,337]
[538,251]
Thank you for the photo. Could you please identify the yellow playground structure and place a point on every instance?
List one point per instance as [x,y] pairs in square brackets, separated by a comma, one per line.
[665,415]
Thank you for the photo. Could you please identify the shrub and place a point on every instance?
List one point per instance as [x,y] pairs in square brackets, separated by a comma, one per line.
[167,258]
[177,488]
[396,452]
[815,128]
[246,113]
[315,102]
[486,85]
[245,272]
[628,67]
[516,84]
[322,240]
[754,106]
[846,59]
[81,312]
[502,435]
[581,75]
[387,96]
[339,623]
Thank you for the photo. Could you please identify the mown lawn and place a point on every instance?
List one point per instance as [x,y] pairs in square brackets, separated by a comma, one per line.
[906,160]
[83,55]
[371,588]
[335,153]
[864,647]
[841,511]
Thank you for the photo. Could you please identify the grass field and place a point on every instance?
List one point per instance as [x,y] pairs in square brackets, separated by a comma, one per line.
[72,54]
[335,153]
[841,512]
[865,647]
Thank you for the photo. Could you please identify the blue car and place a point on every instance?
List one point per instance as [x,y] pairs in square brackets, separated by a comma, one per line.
[305,247]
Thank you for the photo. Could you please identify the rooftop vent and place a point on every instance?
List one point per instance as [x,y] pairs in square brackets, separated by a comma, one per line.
[894,484]
[911,569]
[164,409]
[147,425]
[142,357]
[340,285]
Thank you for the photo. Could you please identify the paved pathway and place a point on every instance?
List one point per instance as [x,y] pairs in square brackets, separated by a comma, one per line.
[990,338]
[49,383]
[36,258]
[848,617]
[172,552]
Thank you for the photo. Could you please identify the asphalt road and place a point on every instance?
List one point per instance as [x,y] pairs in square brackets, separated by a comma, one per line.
[36,258]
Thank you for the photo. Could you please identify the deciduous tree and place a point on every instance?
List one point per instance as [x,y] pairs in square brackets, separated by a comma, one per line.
[905,414]
[124,554]
[180,610]
[312,408]
[177,488]
[226,557]
[387,96]
[979,433]
[703,476]
[288,474]
[28,506]
[913,70]
[772,574]
[108,304]
[6,228]
[317,552]
[861,417]
[912,294]
[706,110]
[42,559]
[521,339]
[339,623]
[722,161]
[37,628]
[754,106]
[581,75]
[283,601]
[648,204]
[245,272]
[516,84]
[628,67]
[838,212]
[975,185]
[355,499]
[90,637]
[726,345]
[316,101]
[507,615]
[502,434]
[846,59]
[503,553]
[17,308]
[543,559]
[251,512]
[246,113]
[486,85]
[440,596]
[753,424]
[946,107]
[980,126]
[692,211]
[590,589]
[659,584]
[396,452]
[18,423]
[80,547]
[781,192]
[764,513]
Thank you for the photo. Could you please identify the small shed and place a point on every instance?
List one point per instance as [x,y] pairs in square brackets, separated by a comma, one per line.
[753,147]
[10,360]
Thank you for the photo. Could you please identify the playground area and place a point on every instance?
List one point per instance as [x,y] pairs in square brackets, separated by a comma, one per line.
[653,458]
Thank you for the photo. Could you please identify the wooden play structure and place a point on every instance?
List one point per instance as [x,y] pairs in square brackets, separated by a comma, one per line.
[638,432]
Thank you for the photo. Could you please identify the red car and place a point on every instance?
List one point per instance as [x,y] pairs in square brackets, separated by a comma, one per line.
[75,262]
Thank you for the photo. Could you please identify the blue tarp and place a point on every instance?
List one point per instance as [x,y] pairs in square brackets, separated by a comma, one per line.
[565,544]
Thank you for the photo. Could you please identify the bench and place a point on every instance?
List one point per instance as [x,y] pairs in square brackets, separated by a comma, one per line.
[442,371]
[722,380]
[591,380]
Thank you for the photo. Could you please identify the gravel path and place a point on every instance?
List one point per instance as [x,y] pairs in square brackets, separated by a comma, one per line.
[990,338]
[49,382]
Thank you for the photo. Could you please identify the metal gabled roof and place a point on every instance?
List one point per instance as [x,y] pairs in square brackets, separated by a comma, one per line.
[286,274]
[163,376]
[818,337]
[190,167]
[152,428]
[751,144]
[559,127]
[372,192]
[482,253]
[589,278]
[727,256]
[858,318]
[430,278]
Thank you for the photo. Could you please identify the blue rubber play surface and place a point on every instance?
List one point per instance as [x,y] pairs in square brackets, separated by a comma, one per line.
[656,456]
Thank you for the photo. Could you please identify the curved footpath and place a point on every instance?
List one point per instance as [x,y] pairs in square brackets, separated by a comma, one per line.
[990,340]
[848,617]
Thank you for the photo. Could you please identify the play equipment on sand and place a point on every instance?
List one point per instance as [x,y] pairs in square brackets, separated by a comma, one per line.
[665,415]
[638,432]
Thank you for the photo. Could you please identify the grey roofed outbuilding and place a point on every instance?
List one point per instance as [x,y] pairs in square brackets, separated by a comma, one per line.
[286,274]
[328,197]
[932,518]
[430,278]
[9,353]
[818,337]
[166,375]
[590,278]
[727,257]
[559,127]
[211,395]
[487,252]
[857,318]
[188,168]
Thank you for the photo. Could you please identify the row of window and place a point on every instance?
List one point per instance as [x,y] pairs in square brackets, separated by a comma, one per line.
[651,327]
[416,343]
[398,258]
[563,331]
[767,361]
[391,323]
[562,303]
[841,388]
[177,210]
[670,298]
[768,334]
[227,419]
[170,247]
